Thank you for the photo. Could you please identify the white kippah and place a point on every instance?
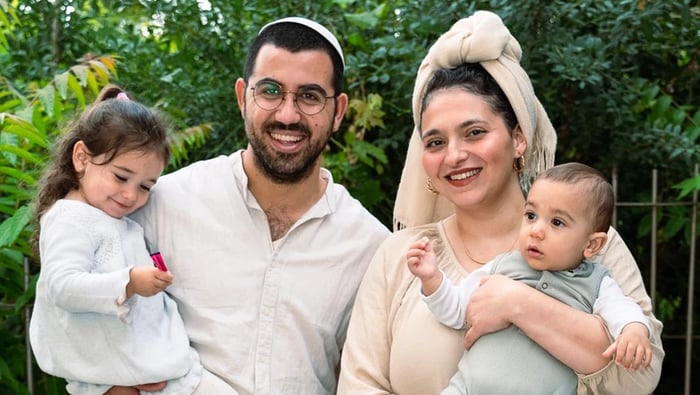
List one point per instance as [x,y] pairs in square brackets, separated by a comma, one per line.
[315,26]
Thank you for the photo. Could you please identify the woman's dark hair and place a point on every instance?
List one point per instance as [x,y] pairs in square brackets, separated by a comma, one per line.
[472,78]
[112,125]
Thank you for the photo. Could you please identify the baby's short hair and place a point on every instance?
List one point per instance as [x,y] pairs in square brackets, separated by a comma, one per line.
[592,184]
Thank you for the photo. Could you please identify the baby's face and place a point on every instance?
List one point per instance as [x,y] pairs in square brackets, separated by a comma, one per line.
[556,226]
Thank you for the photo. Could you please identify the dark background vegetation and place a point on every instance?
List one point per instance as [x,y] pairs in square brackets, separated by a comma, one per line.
[619,80]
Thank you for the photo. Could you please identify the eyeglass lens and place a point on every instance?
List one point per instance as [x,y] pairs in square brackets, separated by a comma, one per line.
[269,95]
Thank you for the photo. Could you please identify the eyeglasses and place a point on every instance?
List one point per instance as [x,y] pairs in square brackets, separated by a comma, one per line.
[269,96]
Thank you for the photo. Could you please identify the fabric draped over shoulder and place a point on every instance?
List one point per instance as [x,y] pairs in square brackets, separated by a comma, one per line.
[481,38]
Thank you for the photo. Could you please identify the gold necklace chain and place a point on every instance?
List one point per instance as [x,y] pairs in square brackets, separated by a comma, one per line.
[478,262]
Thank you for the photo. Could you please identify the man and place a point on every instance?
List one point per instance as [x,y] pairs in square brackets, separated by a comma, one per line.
[266,251]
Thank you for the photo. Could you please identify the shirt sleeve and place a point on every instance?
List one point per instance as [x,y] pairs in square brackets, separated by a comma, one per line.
[81,388]
[614,379]
[365,356]
[67,262]
[616,309]
[449,303]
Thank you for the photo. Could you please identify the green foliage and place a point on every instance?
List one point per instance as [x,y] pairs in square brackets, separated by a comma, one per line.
[667,307]
[688,185]
[671,130]
[353,161]
[11,227]
[618,80]
[27,125]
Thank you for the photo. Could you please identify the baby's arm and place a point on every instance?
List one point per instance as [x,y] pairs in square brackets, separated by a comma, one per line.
[632,349]
[422,263]
[449,302]
[627,324]
[147,281]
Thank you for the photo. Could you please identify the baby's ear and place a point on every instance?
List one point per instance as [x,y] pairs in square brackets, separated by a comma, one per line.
[596,241]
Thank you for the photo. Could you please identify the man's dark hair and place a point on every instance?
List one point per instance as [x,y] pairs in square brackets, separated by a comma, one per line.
[295,37]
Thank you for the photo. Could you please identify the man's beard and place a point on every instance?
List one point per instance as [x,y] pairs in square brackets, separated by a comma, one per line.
[281,167]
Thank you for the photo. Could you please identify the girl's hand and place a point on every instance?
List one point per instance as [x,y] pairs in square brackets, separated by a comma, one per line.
[147,281]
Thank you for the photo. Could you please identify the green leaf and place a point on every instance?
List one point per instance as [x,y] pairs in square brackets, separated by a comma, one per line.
[81,71]
[15,193]
[12,172]
[22,153]
[650,93]
[47,96]
[92,83]
[693,132]
[61,83]
[678,116]
[39,124]
[687,186]
[363,20]
[660,107]
[101,70]
[673,226]
[13,226]
[10,104]
[77,90]
[23,129]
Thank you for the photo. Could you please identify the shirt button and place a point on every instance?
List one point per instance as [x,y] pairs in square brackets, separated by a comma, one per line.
[545,285]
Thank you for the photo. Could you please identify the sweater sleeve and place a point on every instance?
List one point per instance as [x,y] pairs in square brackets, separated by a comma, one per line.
[618,310]
[614,379]
[67,270]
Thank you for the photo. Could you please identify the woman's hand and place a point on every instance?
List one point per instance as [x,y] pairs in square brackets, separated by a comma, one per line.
[574,337]
[491,306]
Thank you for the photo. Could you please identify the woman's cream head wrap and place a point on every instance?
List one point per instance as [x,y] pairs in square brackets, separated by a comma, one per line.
[481,38]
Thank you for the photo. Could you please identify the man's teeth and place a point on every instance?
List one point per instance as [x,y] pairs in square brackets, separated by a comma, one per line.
[457,177]
[286,138]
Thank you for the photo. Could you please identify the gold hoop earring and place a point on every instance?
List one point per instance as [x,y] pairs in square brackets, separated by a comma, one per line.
[519,164]
[429,186]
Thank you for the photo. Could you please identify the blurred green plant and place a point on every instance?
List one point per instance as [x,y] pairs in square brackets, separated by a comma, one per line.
[352,160]
[618,80]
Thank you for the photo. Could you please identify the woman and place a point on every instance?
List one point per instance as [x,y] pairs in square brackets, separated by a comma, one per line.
[481,135]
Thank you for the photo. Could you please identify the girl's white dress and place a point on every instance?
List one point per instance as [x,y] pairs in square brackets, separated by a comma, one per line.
[83,329]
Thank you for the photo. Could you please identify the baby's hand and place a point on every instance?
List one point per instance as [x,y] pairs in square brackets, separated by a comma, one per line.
[421,259]
[147,281]
[422,263]
[632,349]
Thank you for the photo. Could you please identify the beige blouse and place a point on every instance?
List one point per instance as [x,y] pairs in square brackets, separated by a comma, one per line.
[395,346]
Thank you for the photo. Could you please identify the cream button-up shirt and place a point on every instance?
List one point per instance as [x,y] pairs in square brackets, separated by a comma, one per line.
[266,318]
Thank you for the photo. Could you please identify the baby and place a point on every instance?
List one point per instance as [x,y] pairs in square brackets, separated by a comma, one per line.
[567,214]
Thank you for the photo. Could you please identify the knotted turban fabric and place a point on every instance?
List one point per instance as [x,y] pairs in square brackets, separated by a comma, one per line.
[480,38]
